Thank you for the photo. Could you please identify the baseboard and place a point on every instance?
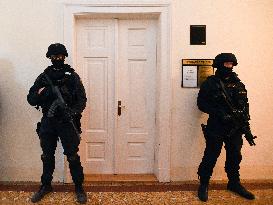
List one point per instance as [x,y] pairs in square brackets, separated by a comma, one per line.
[134,186]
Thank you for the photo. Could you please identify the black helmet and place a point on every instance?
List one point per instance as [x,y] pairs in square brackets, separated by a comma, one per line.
[224,57]
[55,49]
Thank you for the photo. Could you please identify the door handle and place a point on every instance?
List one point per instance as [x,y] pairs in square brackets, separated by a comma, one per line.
[120,107]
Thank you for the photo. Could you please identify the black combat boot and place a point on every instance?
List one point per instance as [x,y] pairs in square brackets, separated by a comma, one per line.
[44,189]
[238,188]
[203,189]
[203,192]
[81,195]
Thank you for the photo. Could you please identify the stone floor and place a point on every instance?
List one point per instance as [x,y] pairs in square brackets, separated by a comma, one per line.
[216,197]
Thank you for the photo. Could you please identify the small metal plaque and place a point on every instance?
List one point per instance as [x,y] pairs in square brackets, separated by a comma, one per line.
[197,62]
[195,72]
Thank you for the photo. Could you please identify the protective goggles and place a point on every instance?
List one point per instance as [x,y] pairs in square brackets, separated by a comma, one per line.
[57,57]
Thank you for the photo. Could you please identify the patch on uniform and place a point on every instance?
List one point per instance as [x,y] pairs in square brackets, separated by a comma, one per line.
[67,73]
[231,85]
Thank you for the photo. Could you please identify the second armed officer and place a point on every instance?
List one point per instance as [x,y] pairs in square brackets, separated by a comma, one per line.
[223,96]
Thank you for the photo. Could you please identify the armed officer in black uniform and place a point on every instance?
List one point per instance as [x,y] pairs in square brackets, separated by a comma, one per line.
[223,96]
[59,121]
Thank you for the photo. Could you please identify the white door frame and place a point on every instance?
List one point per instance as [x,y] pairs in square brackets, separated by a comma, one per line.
[163,78]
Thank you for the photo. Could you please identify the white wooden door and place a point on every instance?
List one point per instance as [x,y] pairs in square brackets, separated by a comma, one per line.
[95,58]
[136,93]
[118,63]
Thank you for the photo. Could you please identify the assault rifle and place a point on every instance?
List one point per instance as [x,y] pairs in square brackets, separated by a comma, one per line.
[239,117]
[59,102]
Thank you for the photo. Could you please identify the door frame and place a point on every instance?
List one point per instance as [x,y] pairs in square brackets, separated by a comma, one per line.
[162,147]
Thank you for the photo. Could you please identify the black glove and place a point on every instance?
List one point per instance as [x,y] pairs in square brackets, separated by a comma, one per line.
[42,82]
[46,93]
[250,138]
[225,118]
[68,114]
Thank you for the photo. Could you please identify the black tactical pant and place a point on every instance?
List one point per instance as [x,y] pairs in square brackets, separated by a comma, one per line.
[214,143]
[49,132]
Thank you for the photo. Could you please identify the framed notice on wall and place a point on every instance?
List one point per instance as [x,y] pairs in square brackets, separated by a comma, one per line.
[189,76]
[195,72]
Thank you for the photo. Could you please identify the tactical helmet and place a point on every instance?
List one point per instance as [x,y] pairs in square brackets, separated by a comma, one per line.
[224,57]
[55,49]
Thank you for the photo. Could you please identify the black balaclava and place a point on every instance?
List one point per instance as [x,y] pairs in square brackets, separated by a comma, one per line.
[224,72]
[58,64]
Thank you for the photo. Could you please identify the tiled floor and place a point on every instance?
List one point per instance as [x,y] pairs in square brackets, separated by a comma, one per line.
[216,197]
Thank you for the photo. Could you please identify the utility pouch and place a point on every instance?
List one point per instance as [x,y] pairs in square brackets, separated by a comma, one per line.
[77,122]
[204,129]
[38,128]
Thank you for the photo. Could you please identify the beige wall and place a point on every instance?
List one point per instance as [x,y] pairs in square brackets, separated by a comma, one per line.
[243,27]
[27,28]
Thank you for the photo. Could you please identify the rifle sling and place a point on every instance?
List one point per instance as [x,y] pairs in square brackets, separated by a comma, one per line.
[49,80]
[225,92]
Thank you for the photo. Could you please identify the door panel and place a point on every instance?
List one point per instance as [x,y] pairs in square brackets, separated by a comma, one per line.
[95,57]
[136,90]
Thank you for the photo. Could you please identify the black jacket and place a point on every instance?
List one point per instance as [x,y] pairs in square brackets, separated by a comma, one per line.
[70,87]
[211,101]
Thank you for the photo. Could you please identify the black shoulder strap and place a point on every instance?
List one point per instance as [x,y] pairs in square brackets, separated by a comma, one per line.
[224,91]
[49,80]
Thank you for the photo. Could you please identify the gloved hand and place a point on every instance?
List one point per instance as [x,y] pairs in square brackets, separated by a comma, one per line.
[42,82]
[250,138]
[46,93]
[68,114]
[225,118]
